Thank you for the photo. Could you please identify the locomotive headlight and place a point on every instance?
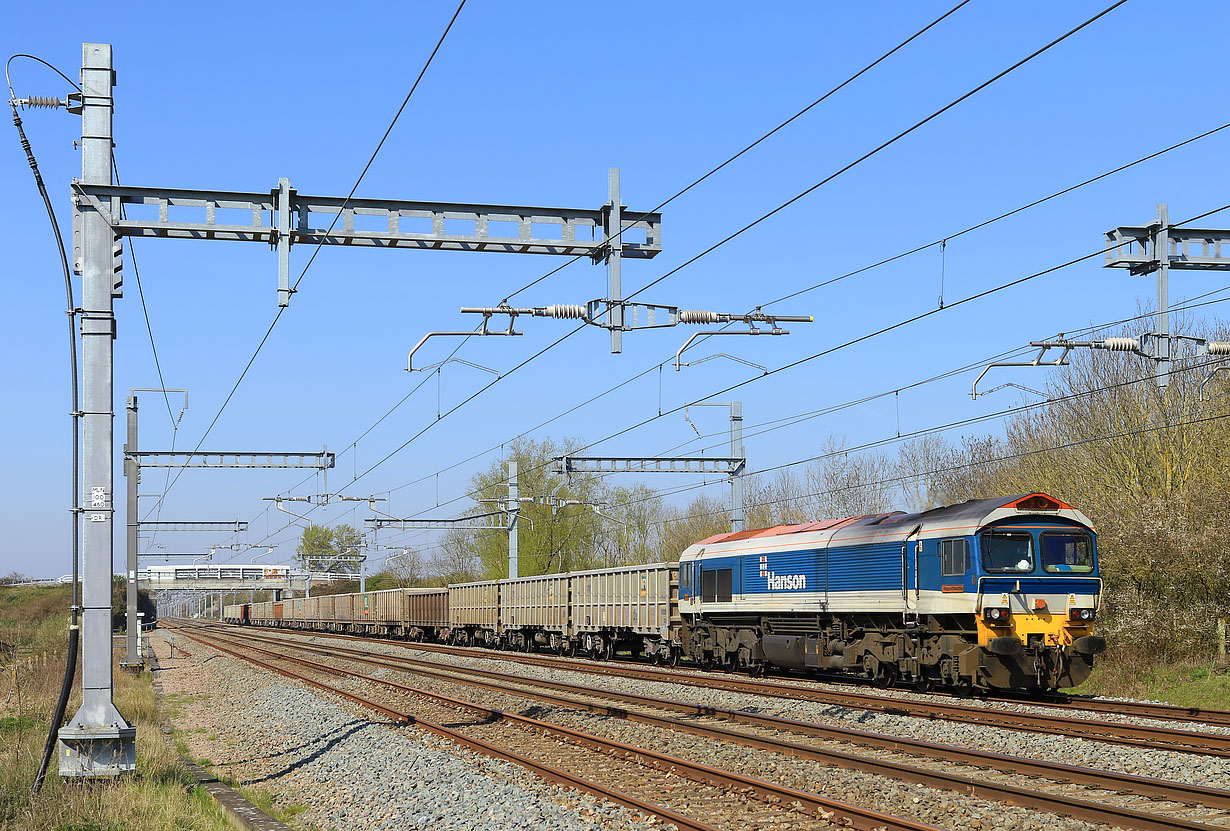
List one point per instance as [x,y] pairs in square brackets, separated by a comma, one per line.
[1080,615]
[995,615]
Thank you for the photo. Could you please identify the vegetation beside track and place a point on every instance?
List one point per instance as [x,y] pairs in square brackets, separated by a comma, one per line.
[1185,684]
[159,797]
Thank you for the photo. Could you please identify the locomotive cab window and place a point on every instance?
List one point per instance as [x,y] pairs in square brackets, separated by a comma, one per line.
[954,557]
[1067,552]
[715,585]
[1007,552]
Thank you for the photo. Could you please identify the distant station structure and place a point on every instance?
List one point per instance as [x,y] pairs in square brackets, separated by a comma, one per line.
[224,578]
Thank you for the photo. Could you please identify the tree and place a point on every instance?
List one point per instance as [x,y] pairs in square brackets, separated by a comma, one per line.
[405,567]
[549,540]
[321,548]
[842,484]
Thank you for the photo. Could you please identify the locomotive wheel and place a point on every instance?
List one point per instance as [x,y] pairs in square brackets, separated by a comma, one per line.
[870,666]
[886,676]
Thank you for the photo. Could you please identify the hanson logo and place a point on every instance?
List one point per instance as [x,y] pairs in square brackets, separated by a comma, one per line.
[784,582]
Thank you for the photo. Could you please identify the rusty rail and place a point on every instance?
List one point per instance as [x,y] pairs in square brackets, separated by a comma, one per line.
[1092,811]
[853,816]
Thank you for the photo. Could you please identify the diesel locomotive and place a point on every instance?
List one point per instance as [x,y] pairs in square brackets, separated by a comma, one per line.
[990,593]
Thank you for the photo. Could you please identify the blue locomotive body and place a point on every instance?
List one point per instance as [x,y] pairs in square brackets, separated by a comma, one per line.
[990,593]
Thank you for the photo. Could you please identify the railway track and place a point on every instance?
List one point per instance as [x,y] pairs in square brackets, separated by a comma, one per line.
[807,809]
[1170,804]
[1113,732]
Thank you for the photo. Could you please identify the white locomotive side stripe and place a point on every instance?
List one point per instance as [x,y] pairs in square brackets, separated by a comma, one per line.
[927,602]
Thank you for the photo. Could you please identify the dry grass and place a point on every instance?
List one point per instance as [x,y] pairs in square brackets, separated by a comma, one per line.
[1185,683]
[159,797]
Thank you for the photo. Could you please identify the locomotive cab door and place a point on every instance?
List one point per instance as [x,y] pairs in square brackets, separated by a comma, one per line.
[911,550]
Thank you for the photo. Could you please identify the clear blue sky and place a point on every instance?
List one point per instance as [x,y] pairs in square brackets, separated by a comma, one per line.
[530,103]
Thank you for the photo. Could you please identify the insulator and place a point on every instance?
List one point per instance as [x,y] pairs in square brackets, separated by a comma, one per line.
[566,311]
[1219,347]
[43,102]
[1121,344]
[699,316]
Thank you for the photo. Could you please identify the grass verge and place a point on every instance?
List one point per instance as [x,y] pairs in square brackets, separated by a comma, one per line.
[1183,683]
[160,796]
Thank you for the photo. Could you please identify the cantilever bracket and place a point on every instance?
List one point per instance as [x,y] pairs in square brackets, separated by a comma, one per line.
[1043,346]
[752,331]
[479,333]
[764,370]
[278,500]
[1209,377]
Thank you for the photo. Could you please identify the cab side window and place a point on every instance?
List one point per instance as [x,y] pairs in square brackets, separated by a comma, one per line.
[954,557]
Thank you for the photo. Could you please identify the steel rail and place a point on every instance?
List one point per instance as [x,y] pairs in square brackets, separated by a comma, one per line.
[551,774]
[1131,735]
[1099,812]
[1138,709]
[852,816]
[1059,701]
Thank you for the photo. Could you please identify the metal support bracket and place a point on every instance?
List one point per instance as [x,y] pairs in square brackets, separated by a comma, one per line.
[483,332]
[283,218]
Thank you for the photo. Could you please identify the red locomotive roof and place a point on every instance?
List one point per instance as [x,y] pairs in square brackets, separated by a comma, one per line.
[778,530]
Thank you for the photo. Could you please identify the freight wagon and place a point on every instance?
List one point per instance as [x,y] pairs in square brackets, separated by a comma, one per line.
[630,608]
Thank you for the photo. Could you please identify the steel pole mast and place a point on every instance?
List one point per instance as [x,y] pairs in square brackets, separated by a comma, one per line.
[736,477]
[614,276]
[514,505]
[1161,249]
[97,741]
[132,473]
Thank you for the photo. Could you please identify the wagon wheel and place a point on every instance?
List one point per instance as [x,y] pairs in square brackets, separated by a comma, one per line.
[673,660]
[609,651]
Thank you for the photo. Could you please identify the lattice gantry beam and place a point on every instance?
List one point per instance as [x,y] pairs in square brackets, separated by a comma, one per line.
[636,464]
[153,458]
[1134,248]
[381,223]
